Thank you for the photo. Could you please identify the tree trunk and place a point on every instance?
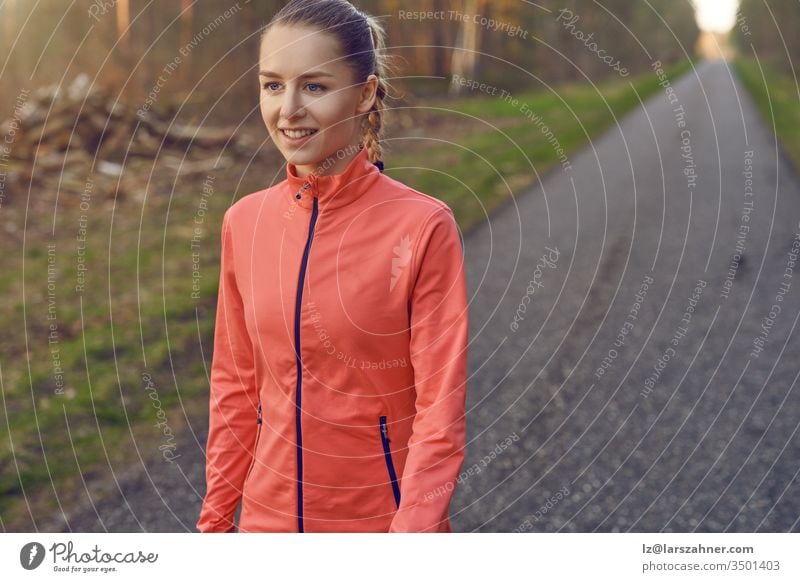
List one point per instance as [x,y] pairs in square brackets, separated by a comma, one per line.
[186,26]
[123,22]
[465,55]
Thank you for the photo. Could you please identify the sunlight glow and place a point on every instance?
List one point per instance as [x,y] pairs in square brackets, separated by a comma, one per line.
[716,15]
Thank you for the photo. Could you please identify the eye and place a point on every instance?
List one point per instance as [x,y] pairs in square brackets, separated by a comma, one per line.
[317,85]
[268,85]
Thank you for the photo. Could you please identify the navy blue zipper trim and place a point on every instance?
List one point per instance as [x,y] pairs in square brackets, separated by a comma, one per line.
[298,390]
[258,436]
[387,454]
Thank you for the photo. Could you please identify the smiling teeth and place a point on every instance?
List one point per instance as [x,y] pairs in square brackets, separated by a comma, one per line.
[298,134]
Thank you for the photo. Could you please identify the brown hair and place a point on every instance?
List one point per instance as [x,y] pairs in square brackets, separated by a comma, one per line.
[363,43]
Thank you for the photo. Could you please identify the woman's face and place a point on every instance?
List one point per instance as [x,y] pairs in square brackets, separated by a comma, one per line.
[309,101]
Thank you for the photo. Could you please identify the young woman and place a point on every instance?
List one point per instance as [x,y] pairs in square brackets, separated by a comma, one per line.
[338,379]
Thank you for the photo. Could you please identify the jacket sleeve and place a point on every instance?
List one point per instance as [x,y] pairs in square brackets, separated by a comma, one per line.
[232,404]
[438,351]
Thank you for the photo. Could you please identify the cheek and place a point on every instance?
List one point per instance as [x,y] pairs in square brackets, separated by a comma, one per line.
[334,112]
[267,113]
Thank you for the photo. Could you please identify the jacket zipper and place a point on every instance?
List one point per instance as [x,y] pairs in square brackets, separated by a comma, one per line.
[387,454]
[258,436]
[299,387]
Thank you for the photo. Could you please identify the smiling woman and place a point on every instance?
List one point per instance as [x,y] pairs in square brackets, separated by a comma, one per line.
[313,106]
[338,381]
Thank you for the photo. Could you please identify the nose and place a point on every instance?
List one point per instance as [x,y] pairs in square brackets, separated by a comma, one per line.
[291,106]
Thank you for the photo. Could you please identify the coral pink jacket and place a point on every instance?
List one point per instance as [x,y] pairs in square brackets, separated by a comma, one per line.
[338,378]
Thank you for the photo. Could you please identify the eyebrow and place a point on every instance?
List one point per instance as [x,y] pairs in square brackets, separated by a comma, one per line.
[303,76]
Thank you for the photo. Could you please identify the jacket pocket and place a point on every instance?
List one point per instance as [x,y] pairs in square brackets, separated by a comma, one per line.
[255,447]
[387,455]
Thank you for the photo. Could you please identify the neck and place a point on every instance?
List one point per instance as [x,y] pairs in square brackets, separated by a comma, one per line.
[335,163]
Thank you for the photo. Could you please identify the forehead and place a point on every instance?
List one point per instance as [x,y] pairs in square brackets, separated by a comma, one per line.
[293,50]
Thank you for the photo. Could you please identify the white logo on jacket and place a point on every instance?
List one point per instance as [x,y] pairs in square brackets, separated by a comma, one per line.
[402,257]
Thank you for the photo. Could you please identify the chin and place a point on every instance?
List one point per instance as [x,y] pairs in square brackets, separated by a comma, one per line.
[300,159]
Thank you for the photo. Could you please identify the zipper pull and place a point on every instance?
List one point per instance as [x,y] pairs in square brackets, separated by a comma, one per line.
[311,182]
[305,187]
[258,417]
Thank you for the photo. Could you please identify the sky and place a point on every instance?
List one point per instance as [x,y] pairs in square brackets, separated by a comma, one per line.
[716,15]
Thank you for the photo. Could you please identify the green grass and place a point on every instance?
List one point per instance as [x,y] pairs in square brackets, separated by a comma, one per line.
[106,396]
[776,95]
[487,148]
[497,147]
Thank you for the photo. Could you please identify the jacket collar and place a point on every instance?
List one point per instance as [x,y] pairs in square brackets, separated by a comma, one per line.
[333,190]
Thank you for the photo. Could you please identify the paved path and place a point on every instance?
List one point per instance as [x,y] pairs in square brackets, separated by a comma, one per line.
[707,441]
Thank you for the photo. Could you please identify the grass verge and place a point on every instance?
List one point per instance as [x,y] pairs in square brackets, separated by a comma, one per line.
[777,98]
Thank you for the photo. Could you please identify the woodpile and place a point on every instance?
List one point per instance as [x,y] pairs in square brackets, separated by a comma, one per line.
[62,139]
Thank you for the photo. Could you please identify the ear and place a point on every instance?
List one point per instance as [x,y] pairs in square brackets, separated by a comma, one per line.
[368,94]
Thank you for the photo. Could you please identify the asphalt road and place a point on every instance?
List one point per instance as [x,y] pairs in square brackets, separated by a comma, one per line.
[632,408]
[596,404]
